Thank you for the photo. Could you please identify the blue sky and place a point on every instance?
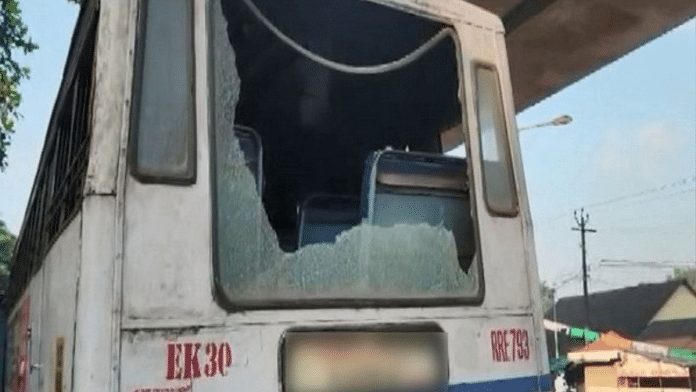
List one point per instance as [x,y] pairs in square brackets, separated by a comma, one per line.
[51,23]
[634,131]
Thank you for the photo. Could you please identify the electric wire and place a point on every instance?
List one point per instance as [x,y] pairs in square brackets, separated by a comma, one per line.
[349,68]
[637,202]
[662,188]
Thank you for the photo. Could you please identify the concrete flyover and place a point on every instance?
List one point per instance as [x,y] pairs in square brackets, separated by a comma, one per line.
[553,43]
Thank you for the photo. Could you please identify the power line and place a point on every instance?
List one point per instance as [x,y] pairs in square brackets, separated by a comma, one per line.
[646,264]
[637,202]
[661,188]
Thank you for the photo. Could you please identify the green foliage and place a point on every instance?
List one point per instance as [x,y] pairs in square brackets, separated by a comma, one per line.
[13,38]
[7,242]
[687,274]
[547,296]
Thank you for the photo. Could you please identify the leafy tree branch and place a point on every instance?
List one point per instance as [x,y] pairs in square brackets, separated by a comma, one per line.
[13,39]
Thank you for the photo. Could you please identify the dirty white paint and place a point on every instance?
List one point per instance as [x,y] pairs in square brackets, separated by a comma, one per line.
[61,267]
[167,263]
[132,275]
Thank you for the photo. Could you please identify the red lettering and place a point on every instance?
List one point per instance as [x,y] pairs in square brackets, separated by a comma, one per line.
[526,344]
[494,347]
[211,368]
[219,359]
[504,345]
[510,345]
[499,346]
[224,358]
[521,351]
[173,366]
[192,368]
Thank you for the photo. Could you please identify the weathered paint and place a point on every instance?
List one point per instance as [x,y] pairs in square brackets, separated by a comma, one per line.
[255,354]
[167,272]
[94,299]
[136,262]
[60,281]
[17,360]
[113,54]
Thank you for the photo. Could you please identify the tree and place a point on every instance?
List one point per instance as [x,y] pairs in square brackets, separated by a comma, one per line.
[13,38]
[7,242]
[687,274]
[547,296]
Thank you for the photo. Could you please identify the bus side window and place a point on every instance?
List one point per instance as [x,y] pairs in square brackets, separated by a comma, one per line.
[163,124]
[498,182]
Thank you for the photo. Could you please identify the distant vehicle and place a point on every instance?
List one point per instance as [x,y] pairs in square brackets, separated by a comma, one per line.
[254,195]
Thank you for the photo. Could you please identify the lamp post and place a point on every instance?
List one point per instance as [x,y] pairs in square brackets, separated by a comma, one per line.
[560,120]
[554,290]
[555,331]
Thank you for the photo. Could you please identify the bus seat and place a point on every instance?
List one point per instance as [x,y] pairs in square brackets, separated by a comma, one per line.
[323,217]
[250,144]
[413,187]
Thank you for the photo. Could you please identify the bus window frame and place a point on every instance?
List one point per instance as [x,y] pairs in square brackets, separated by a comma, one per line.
[475,65]
[189,175]
[229,304]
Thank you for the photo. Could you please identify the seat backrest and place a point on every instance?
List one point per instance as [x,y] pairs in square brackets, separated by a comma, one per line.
[250,144]
[323,217]
[401,187]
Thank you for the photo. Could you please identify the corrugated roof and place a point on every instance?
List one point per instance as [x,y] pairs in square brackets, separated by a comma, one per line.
[627,310]
[608,341]
[678,333]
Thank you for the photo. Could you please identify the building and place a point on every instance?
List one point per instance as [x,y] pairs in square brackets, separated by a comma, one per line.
[661,313]
[614,363]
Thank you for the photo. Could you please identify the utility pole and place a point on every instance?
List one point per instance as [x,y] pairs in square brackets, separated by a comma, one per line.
[582,222]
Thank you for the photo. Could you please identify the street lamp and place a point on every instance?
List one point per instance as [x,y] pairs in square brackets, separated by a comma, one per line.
[560,120]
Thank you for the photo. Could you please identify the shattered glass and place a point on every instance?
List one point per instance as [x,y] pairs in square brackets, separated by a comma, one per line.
[364,262]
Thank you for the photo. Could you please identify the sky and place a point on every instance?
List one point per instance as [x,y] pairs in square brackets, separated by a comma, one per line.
[628,156]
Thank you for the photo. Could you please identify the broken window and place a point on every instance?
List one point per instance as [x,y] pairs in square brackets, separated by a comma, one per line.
[357,203]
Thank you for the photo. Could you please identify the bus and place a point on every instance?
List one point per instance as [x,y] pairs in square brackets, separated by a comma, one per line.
[267,195]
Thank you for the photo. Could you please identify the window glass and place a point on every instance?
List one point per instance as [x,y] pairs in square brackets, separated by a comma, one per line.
[499,188]
[357,203]
[649,382]
[675,382]
[164,125]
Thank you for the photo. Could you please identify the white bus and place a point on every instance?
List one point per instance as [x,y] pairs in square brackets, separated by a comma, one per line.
[255,195]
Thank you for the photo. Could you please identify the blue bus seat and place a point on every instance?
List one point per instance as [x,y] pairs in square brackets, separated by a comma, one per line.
[325,216]
[401,187]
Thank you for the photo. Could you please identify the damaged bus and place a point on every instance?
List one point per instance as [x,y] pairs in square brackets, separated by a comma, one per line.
[260,195]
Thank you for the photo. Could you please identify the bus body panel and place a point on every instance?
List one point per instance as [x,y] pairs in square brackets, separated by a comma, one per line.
[33,364]
[169,276]
[197,358]
[128,285]
[525,213]
[503,273]
[94,348]
[56,337]
[113,68]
